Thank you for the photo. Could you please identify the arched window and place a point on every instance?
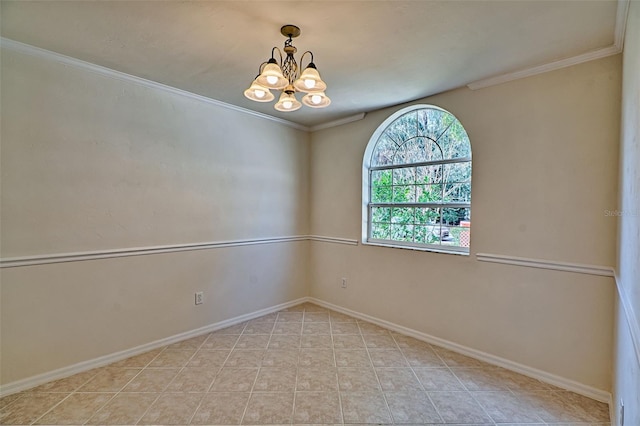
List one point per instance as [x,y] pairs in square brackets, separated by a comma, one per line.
[416,177]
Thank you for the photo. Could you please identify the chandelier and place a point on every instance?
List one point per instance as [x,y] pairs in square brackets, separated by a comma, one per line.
[284,75]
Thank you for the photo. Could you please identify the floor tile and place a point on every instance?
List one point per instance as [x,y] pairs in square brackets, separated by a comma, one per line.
[29,407]
[10,399]
[280,358]
[138,361]
[337,317]
[192,380]
[505,407]
[412,407]
[345,328]
[388,358]
[193,343]
[110,380]
[234,329]
[220,341]
[348,341]
[458,407]
[234,380]
[258,328]
[320,341]
[406,342]
[316,317]
[284,341]
[316,357]
[480,379]
[317,379]
[369,328]
[172,358]
[422,358]
[278,379]
[358,379]
[76,409]
[438,379]
[379,341]
[352,358]
[244,358]
[288,328]
[205,358]
[68,384]
[151,380]
[252,341]
[452,359]
[398,379]
[290,317]
[316,328]
[364,407]
[317,408]
[124,409]
[269,408]
[172,409]
[221,408]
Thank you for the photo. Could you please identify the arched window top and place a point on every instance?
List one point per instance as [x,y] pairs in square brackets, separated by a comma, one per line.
[417,182]
[418,135]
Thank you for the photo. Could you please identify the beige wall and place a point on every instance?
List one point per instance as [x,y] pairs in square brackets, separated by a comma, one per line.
[95,163]
[627,345]
[544,171]
[91,162]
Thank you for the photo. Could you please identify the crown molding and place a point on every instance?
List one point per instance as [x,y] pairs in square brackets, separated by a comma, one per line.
[621,23]
[339,122]
[617,46]
[108,72]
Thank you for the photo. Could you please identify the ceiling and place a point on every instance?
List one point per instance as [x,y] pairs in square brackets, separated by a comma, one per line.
[372,54]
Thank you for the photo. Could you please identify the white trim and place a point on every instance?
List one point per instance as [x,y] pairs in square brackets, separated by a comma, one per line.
[543,376]
[622,12]
[88,66]
[605,271]
[549,66]
[621,23]
[44,259]
[336,240]
[12,262]
[338,122]
[630,315]
[80,367]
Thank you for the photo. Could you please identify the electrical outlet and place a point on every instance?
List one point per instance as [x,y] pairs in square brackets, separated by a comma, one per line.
[199,297]
[343,283]
[621,412]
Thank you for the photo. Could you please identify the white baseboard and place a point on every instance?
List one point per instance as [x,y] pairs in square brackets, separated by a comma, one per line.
[80,367]
[543,376]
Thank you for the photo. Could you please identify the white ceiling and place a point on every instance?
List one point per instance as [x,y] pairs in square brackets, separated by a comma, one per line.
[372,54]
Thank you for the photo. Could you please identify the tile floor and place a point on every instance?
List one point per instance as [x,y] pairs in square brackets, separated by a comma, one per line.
[303,365]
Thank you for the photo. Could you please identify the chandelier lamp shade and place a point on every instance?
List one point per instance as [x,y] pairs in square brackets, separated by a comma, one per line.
[284,76]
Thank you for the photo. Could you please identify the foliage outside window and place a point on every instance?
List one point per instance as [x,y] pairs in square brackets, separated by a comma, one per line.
[417,182]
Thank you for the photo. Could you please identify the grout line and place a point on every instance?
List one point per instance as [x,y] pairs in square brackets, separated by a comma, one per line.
[200,347]
[384,397]
[186,366]
[333,350]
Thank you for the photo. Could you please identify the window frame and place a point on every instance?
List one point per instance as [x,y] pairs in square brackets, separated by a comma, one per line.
[368,205]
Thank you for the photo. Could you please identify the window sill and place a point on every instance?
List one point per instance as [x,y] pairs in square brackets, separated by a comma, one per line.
[440,250]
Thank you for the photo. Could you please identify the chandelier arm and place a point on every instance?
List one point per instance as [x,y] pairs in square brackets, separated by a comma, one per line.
[275,49]
[302,57]
[261,67]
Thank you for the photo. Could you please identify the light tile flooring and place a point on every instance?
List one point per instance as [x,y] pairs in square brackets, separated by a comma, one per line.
[303,365]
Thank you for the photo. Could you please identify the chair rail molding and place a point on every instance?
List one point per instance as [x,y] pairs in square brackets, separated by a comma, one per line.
[605,271]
